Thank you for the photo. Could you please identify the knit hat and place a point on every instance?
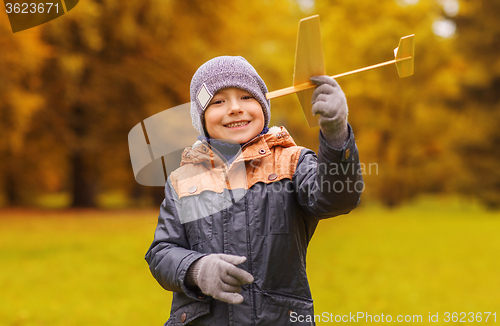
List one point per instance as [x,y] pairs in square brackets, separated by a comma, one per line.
[223,72]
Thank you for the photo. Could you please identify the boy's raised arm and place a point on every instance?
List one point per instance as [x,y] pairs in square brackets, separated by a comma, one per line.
[330,183]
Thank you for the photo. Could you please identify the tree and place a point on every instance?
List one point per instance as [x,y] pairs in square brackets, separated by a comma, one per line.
[19,102]
[478,107]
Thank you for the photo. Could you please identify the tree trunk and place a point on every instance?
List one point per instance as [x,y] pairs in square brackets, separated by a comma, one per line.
[12,196]
[83,191]
[83,183]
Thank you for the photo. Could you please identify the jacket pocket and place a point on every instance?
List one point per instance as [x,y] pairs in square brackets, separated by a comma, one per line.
[188,313]
[281,308]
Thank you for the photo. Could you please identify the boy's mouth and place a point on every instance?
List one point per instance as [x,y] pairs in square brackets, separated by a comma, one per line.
[237,124]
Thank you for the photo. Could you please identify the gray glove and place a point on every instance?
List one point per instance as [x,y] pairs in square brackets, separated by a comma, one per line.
[216,275]
[329,101]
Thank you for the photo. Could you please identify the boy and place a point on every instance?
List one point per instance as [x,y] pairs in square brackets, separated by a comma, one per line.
[239,213]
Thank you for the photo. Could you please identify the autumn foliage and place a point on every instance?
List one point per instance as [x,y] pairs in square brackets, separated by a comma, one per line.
[71,89]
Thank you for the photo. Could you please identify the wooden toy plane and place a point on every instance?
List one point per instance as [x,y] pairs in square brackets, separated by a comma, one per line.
[309,62]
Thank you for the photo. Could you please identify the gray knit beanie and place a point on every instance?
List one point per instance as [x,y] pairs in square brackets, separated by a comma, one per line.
[223,72]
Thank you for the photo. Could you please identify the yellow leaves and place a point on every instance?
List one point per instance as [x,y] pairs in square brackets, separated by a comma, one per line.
[140,56]
[23,105]
[447,84]
[477,74]
[73,65]
[31,49]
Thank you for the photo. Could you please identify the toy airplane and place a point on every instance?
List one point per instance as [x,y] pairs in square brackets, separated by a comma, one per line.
[309,62]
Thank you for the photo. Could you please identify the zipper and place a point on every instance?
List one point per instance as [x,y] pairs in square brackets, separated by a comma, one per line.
[270,294]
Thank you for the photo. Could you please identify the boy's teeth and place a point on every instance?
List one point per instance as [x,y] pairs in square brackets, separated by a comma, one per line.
[237,124]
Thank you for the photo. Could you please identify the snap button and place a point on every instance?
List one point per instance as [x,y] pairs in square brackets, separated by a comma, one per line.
[272,176]
[347,153]
[262,151]
[183,317]
[192,189]
[281,135]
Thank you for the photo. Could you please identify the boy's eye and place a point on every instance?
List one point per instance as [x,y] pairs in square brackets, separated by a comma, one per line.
[216,102]
[246,97]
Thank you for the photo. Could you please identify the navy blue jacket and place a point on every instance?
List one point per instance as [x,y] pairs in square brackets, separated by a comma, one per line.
[265,206]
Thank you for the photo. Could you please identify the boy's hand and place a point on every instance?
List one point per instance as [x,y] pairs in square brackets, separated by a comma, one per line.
[216,275]
[329,101]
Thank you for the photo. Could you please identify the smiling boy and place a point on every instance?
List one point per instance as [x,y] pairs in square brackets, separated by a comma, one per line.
[234,115]
[239,213]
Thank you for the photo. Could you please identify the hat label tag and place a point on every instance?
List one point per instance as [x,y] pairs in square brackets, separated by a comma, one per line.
[204,96]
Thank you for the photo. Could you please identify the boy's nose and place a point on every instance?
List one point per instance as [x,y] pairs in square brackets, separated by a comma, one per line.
[234,107]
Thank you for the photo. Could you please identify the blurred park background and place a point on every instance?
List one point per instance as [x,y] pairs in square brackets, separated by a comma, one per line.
[74,224]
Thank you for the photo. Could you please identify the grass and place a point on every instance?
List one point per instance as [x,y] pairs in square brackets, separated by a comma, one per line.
[426,257]
[87,268]
[78,268]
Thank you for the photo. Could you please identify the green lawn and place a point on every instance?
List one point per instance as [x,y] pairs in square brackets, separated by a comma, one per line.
[87,267]
[78,268]
[426,257]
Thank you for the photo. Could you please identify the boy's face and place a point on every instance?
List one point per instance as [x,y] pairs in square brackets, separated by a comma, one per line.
[234,114]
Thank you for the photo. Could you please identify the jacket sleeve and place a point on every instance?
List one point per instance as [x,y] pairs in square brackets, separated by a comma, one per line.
[169,256]
[330,183]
